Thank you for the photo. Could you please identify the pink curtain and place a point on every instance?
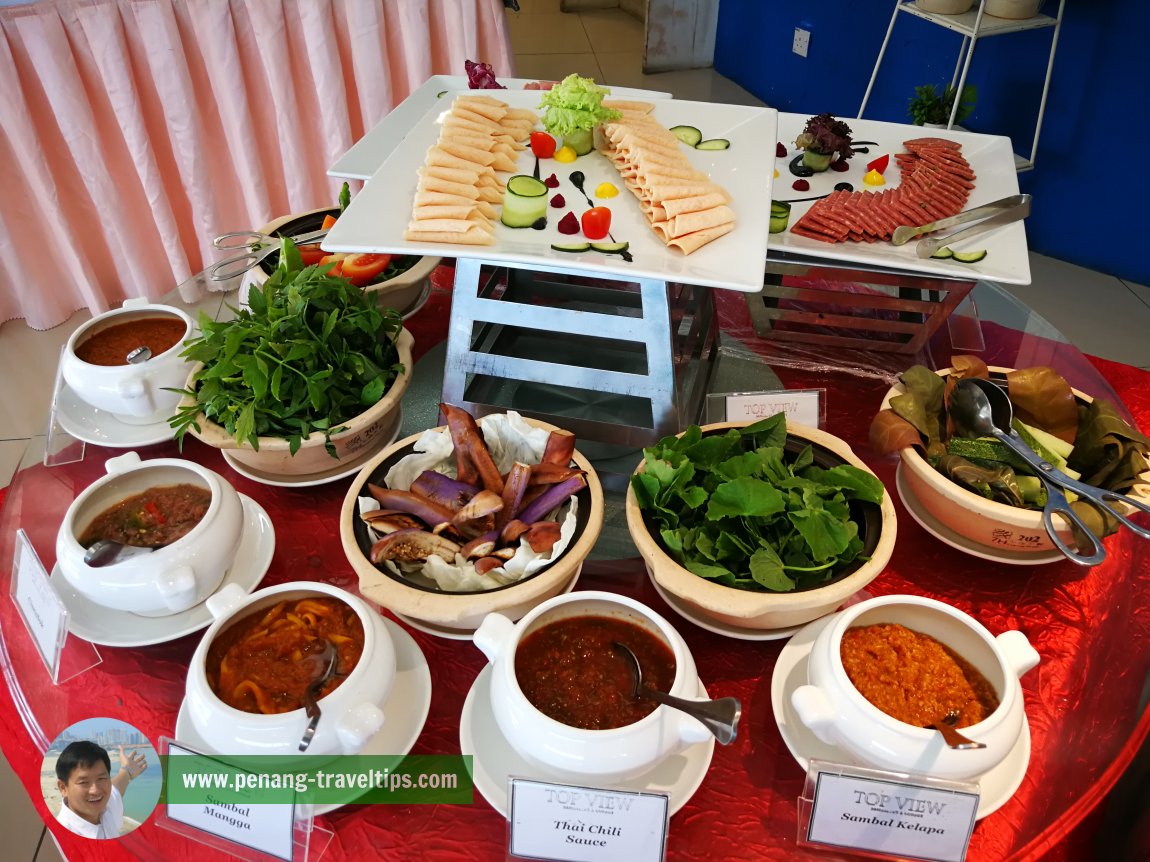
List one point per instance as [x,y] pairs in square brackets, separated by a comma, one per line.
[134,131]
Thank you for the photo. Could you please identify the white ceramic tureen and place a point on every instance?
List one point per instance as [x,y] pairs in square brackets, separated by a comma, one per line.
[350,715]
[602,757]
[839,715]
[135,394]
[169,579]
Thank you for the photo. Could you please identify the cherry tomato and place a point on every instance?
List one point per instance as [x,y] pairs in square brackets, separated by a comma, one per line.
[337,259]
[360,269]
[596,222]
[311,253]
[542,145]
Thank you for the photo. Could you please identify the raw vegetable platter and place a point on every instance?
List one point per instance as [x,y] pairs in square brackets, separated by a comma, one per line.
[378,215]
[369,152]
[990,156]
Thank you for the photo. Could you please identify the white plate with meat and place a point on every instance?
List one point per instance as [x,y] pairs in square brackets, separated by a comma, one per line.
[982,170]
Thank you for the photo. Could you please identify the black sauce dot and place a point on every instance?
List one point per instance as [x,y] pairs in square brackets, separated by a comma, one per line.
[844,187]
[799,169]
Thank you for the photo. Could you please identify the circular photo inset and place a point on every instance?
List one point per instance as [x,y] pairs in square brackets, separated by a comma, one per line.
[101,778]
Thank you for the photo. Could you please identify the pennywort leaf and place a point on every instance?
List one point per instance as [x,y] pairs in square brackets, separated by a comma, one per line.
[741,510]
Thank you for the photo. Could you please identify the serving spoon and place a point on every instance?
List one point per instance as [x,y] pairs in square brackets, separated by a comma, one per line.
[721,716]
[328,659]
[107,552]
[952,737]
[985,409]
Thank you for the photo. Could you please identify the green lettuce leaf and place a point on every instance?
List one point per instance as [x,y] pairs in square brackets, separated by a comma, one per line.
[575,104]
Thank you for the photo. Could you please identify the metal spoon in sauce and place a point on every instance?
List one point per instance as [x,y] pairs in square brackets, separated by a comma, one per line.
[106,552]
[952,737]
[721,716]
[139,356]
[327,659]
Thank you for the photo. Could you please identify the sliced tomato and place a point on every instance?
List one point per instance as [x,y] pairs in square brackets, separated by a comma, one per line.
[311,253]
[328,222]
[338,260]
[362,268]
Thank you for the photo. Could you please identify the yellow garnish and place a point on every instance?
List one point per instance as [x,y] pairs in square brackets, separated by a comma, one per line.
[776,173]
[564,154]
[605,190]
[874,178]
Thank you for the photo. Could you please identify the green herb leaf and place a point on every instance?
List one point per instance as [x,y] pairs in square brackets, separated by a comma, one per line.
[744,497]
[767,570]
[736,509]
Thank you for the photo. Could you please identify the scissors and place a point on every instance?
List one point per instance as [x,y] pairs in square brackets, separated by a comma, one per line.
[256,247]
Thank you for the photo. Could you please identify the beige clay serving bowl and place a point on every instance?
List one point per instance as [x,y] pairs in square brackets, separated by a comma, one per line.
[768,610]
[274,457]
[406,292]
[464,611]
[991,524]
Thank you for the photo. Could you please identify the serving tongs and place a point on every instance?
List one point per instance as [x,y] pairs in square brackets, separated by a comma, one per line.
[997,213]
[256,247]
[984,408]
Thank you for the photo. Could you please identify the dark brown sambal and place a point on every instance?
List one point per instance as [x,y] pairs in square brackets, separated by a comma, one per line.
[570,671]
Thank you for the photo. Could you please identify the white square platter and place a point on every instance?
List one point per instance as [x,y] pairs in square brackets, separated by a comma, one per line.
[368,153]
[990,156]
[378,215]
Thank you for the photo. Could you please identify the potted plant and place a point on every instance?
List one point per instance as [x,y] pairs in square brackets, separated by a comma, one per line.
[932,107]
[311,370]
[823,139]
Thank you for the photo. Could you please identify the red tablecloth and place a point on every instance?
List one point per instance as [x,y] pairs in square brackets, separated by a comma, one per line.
[1092,628]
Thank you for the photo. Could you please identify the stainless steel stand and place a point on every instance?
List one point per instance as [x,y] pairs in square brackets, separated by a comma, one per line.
[616,361]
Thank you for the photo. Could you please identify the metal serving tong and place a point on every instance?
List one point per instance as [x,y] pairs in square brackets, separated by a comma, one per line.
[256,247]
[997,213]
[985,408]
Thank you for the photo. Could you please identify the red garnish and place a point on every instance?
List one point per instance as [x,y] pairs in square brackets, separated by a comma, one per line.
[879,164]
[780,150]
[569,224]
[154,510]
[542,145]
[552,182]
[480,76]
[801,186]
[596,222]
[558,202]
[840,166]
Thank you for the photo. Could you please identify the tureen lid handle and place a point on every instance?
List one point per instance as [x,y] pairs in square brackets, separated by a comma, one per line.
[492,634]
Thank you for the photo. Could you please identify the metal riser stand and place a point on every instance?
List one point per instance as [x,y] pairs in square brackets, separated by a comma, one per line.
[619,362]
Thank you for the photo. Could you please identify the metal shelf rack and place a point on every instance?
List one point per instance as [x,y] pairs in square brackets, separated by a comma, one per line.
[972,26]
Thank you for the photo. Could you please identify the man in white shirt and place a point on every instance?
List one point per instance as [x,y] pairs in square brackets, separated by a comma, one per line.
[93,801]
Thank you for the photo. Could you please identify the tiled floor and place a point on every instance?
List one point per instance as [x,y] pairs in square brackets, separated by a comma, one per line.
[1102,314]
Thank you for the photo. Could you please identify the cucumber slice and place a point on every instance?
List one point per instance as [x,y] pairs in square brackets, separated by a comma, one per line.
[524,201]
[572,247]
[970,256]
[611,247]
[780,216]
[524,186]
[714,144]
[689,135]
[943,253]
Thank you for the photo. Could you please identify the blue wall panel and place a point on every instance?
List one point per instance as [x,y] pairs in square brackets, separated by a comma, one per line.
[1093,162]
